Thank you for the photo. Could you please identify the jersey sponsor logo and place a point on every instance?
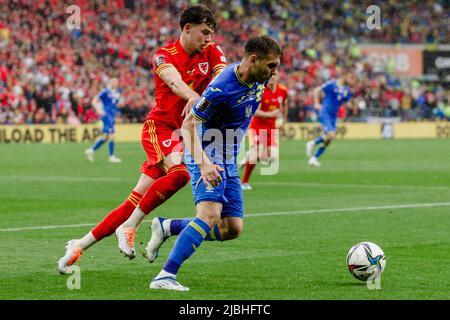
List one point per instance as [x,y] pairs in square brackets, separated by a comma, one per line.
[202,105]
[167,143]
[159,60]
[203,67]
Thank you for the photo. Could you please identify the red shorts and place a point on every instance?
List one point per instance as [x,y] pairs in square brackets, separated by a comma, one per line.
[158,141]
[263,136]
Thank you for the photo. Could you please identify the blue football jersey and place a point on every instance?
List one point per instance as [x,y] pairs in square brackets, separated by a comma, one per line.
[110,100]
[334,97]
[225,109]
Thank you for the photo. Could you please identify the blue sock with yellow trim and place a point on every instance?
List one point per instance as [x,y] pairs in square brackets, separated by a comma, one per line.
[177,225]
[187,242]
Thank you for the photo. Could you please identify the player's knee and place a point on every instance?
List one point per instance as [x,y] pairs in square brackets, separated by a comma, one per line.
[331,136]
[233,230]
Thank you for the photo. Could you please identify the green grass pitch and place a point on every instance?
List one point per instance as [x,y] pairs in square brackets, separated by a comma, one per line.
[299,225]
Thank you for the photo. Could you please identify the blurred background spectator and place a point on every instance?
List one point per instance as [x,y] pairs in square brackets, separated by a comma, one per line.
[49,74]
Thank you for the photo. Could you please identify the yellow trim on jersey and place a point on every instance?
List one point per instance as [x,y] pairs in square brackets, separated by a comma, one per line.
[154,139]
[163,67]
[218,69]
[240,79]
[170,50]
[198,228]
[197,117]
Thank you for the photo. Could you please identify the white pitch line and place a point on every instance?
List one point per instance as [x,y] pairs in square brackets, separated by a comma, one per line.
[61,178]
[280,213]
[346,185]
[261,183]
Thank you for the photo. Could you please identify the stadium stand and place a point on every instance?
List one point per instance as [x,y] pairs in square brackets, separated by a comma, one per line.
[49,74]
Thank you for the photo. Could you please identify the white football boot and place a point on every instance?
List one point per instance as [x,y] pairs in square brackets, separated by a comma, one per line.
[313,161]
[89,154]
[125,236]
[167,283]
[246,186]
[310,148]
[73,254]
[157,239]
[114,159]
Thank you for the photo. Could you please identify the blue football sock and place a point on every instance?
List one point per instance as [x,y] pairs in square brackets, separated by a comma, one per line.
[214,234]
[98,144]
[111,148]
[320,151]
[187,242]
[177,225]
[319,140]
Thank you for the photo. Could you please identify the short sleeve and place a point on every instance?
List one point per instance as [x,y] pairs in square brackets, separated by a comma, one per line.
[103,94]
[161,60]
[217,59]
[327,86]
[206,107]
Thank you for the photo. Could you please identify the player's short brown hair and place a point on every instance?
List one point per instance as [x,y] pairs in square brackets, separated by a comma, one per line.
[198,14]
[262,46]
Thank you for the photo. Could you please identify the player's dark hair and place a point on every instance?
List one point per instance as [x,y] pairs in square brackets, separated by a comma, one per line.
[262,46]
[198,14]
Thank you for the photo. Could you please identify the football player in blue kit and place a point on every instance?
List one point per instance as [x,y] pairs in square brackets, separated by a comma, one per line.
[213,132]
[106,104]
[336,92]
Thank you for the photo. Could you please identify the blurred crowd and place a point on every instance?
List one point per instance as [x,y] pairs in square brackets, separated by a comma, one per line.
[49,73]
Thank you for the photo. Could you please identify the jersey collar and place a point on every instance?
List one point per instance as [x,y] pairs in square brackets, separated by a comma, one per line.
[181,49]
[239,77]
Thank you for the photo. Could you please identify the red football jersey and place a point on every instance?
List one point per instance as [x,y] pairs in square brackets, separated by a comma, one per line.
[271,100]
[197,71]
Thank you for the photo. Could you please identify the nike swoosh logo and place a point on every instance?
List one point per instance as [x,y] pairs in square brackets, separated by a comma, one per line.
[216,90]
[240,100]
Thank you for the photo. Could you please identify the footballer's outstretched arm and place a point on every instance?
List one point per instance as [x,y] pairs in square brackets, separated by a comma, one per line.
[316,96]
[266,114]
[172,78]
[98,106]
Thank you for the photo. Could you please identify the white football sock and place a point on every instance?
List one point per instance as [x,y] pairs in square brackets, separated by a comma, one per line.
[166,226]
[135,219]
[87,241]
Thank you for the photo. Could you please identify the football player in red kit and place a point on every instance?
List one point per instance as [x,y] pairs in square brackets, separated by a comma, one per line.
[263,133]
[182,71]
